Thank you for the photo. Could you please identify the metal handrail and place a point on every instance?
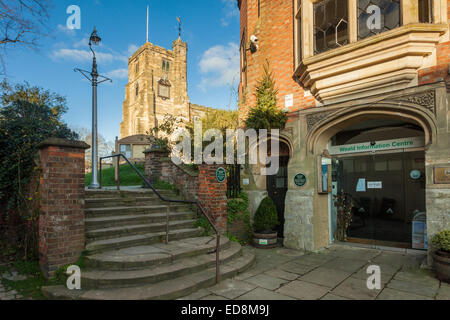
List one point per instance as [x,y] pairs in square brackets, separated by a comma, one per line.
[168,206]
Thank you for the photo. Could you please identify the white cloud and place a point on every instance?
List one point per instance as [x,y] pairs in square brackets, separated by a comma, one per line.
[230,11]
[118,74]
[64,29]
[132,48]
[219,66]
[85,55]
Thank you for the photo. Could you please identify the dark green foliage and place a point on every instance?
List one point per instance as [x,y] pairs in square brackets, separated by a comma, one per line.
[28,116]
[441,241]
[204,223]
[237,212]
[266,216]
[266,115]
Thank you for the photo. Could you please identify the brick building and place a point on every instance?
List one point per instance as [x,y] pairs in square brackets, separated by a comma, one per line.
[364,84]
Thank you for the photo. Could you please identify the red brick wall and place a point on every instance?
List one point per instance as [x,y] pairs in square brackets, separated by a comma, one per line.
[212,195]
[440,71]
[61,220]
[275,32]
[202,187]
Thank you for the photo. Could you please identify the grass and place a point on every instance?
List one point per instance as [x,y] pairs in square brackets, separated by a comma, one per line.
[128,177]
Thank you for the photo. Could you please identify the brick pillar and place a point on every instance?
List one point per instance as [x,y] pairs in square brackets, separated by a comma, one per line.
[61,220]
[154,159]
[212,195]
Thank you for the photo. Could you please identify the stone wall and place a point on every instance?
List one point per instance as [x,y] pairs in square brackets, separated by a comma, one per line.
[61,220]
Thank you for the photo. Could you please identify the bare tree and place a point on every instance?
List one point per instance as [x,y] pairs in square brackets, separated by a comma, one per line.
[105,148]
[22,22]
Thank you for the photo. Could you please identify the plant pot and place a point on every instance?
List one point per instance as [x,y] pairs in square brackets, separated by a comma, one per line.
[265,240]
[442,265]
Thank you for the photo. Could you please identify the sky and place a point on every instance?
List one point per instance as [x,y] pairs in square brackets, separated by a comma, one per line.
[210,27]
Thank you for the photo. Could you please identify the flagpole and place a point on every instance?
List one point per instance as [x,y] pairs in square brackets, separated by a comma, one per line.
[147,23]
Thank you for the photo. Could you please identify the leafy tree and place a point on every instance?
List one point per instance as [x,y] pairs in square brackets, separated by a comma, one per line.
[266,115]
[28,116]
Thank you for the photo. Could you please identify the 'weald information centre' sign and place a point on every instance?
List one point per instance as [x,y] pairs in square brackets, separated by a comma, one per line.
[403,143]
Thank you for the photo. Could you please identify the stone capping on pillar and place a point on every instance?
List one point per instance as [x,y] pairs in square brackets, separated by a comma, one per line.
[62,200]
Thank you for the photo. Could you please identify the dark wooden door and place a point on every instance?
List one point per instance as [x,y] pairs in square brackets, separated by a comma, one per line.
[277,186]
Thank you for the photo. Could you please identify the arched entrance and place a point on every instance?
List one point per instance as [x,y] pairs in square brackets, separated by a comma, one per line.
[377,158]
[277,185]
[380,164]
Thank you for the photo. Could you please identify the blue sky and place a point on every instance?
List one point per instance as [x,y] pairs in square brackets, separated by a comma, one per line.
[210,27]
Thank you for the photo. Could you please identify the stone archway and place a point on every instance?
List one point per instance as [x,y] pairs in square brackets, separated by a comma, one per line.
[322,131]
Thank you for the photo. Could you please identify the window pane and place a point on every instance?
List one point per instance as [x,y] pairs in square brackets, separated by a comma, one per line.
[425,11]
[330,25]
[376,16]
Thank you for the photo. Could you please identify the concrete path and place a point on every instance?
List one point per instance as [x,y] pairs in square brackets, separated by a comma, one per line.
[336,273]
[8,294]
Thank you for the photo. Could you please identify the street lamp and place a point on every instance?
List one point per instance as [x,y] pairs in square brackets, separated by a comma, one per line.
[94,40]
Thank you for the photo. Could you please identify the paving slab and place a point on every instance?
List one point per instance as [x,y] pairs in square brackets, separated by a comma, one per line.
[414,287]
[354,288]
[263,294]
[326,277]
[331,296]
[303,290]
[387,272]
[422,276]
[443,292]
[345,264]
[391,294]
[353,253]
[391,258]
[294,267]
[197,295]
[314,259]
[278,273]
[231,288]
[213,297]
[266,281]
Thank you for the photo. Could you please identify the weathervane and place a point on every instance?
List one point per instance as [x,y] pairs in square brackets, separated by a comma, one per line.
[179,27]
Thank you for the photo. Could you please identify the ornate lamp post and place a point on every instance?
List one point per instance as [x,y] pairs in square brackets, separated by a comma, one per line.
[94,40]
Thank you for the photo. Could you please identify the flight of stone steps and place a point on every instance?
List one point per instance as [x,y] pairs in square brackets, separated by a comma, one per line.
[128,259]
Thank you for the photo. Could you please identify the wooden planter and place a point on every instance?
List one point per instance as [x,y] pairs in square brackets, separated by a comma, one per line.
[442,265]
[265,240]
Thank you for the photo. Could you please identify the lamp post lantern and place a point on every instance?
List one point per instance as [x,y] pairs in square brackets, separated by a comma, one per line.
[94,40]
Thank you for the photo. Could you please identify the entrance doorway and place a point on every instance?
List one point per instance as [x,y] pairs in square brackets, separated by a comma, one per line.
[384,178]
[385,196]
[277,186]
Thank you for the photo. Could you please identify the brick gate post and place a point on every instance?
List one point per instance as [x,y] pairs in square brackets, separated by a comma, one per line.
[62,196]
[154,162]
[212,195]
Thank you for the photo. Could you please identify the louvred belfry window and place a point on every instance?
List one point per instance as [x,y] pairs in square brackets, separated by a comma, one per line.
[164,88]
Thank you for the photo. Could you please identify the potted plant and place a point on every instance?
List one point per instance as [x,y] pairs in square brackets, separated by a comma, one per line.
[265,220]
[441,255]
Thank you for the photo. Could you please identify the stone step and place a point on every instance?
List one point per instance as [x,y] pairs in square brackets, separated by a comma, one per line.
[141,239]
[114,232]
[108,193]
[120,211]
[125,202]
[164,290]
[116,221]
[152,255]
[102,279]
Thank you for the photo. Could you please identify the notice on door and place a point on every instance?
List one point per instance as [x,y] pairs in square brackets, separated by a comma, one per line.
[361,186]
[374,185]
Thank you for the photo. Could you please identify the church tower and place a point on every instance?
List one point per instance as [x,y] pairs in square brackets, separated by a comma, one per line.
[157,86]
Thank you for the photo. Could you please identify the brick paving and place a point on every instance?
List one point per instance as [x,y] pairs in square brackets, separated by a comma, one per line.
[336,273]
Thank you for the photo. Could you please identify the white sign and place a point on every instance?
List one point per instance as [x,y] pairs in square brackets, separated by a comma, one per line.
[374,185]
[289,100]
[361,186]
[245,182]
[401,143]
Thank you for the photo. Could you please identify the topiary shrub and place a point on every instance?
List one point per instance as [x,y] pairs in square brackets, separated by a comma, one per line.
[441,241]
[266,216]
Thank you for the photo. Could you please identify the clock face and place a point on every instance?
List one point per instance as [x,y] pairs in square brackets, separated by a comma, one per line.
[415,174]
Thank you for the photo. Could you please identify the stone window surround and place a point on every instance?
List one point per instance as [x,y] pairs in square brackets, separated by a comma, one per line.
[304,22]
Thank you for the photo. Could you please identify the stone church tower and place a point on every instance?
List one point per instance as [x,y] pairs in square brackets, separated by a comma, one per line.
[157,85]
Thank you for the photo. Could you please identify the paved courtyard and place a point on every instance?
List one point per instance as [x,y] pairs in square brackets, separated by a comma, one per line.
[336,273]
